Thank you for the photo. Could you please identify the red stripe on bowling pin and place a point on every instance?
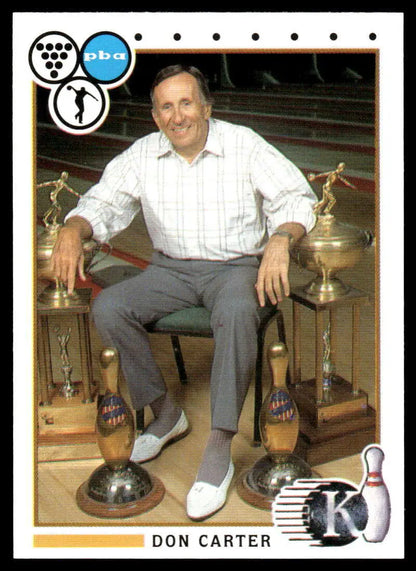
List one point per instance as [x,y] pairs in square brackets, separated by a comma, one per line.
[374,479]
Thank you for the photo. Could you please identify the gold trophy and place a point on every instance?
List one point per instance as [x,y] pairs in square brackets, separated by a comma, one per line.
[279,429]
[331,246]
[56,294]
[118,488]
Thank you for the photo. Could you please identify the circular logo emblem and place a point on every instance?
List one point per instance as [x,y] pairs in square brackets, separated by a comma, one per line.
[79,104]
[53,57]
[337,513]
[106,57]
[327,513]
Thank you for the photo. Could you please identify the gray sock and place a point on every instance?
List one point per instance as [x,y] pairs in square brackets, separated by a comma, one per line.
[216,459]
[166,414]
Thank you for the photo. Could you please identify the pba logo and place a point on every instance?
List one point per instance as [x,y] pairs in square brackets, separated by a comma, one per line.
[334,512]
[106,58]
[78,78]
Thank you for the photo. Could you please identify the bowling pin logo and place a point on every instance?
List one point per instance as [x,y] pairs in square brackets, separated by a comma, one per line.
[376,495]
[334,512]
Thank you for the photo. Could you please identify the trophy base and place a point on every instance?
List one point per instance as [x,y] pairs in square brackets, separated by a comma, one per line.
[63,417]
[260,485]
[53,297]
[119,493]
[341,403]
[326,289]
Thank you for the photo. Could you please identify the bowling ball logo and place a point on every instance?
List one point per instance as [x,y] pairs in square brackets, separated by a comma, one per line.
[327,513]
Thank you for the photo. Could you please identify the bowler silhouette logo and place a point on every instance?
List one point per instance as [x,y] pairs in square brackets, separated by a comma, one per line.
[335,512]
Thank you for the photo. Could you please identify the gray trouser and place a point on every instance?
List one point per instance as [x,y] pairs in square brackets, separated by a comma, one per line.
[227,290]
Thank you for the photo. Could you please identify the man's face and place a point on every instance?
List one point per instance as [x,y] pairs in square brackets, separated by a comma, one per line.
[180,113]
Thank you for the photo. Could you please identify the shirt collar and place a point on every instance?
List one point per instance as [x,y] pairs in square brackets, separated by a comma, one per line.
[213,143]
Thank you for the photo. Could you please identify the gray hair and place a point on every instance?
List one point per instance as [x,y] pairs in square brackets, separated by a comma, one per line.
[173,70]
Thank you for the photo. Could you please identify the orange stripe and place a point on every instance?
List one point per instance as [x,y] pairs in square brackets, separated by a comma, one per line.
[88,540]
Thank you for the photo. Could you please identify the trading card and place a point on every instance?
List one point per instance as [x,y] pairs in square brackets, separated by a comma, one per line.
[169,169]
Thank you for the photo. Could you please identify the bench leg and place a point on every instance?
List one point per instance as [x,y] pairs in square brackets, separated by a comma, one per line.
[258,389]
[281,332]
[179,359]
[140,420]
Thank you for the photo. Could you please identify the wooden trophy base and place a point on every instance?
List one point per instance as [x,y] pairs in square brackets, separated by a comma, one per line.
[252,497]
[67,420]
[336,429]
[124,510]
[332,442]
[344,404]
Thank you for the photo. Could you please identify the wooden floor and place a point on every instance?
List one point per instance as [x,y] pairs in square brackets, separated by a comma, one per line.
[57,481]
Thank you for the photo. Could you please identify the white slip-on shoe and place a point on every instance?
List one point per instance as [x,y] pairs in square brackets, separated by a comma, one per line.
[148,446]
[204,499]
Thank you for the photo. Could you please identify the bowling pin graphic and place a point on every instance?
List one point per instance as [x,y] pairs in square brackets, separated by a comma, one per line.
[376,495]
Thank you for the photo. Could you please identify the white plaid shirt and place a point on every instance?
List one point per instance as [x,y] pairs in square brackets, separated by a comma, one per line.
[221,206]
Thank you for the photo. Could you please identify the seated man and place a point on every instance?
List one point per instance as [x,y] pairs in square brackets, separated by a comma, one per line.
[221,206]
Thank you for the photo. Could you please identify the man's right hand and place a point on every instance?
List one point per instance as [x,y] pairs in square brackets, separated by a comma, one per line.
[68,256]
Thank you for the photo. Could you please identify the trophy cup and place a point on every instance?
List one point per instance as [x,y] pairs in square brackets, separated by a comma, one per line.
[118,488]
[56,294]
[279,429]
[330,246]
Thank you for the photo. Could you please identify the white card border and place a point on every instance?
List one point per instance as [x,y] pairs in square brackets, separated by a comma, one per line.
[196,29]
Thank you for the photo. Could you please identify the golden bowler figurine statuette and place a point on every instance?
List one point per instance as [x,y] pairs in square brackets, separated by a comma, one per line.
[118,488]
[67,390]
[279,429]
[56,294]
[328,369]
[331,246]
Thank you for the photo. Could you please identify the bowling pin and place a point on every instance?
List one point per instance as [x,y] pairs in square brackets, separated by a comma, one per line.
[118,488]
[115,423]
[376,495]
[279,418]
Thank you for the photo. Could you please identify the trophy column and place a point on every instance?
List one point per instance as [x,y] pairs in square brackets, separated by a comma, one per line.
[66,406]
[336,417]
